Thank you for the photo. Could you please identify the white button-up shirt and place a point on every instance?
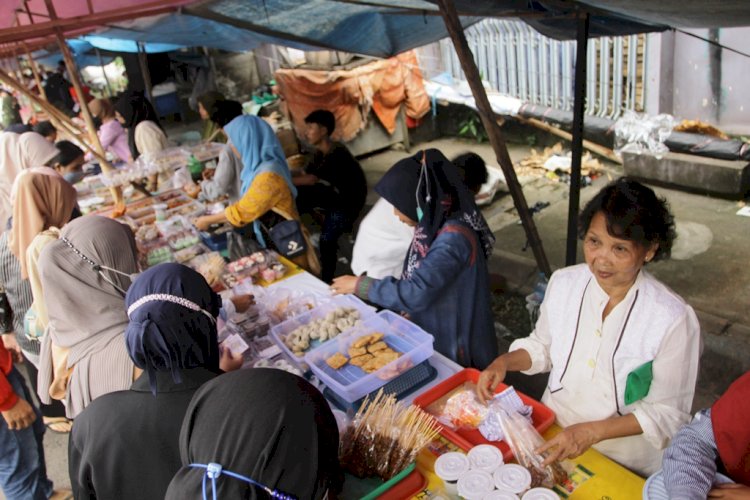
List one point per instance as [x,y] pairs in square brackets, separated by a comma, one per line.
[587,393]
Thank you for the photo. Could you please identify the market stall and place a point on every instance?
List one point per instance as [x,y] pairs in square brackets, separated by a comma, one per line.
[351,351]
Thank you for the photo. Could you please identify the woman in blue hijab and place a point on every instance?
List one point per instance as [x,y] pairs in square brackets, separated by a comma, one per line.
[125,443]
[266,183]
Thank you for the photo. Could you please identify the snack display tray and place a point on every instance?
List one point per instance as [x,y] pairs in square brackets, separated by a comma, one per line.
[351,382]
[542,417]
[405,484]
[401,386]
[280,331]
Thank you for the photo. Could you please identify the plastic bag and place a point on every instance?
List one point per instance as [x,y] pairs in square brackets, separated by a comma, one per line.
[523,439]
[506,401]
[535,298]
[463,411]
[640,133]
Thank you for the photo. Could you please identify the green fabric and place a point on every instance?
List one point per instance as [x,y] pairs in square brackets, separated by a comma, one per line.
[638,383]
[208,130]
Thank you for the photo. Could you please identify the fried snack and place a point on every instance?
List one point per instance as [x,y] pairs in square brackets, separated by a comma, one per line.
[376,337]
[360,360]
[337,361]
[362,341]
[381,359]
[377,346]
[357,351]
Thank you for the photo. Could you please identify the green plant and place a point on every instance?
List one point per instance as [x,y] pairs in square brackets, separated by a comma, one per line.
[472,127]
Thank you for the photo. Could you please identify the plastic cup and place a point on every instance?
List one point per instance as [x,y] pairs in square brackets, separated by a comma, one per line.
[449,467]
[512,477]
[500,495]
[485,457]
[475,484]
[540,494]
[160,211]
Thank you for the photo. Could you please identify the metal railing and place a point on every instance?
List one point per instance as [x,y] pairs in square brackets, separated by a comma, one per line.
[522,63]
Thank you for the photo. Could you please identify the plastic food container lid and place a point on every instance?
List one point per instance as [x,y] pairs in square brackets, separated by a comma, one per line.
[450,466]
[475,484]
[500,495]
[540,494]
[485,457]
[512,477]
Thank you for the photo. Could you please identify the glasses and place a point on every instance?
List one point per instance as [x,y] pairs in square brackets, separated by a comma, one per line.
[99,268]
[214,470]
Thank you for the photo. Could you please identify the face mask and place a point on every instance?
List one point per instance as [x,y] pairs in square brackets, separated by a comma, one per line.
[74,177]
[101,268]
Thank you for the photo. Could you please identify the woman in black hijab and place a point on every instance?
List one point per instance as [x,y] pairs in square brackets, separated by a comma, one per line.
[271,428]
[125,444]
[445,282]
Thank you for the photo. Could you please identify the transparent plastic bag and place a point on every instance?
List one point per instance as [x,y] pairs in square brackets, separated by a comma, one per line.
[640,133]
[523,439]
[463,411]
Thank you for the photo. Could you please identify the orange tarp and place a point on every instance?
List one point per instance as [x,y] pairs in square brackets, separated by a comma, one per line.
[380,86]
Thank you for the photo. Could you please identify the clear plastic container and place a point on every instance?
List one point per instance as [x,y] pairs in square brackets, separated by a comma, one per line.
[280,331]
[351,382]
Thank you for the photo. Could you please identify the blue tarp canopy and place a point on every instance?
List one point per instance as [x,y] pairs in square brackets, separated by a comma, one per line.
[383,28]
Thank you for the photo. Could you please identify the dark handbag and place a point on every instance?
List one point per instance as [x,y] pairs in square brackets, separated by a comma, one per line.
[288,239]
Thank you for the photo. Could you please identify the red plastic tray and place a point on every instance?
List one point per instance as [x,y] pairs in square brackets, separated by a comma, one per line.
[542,417]
[406,488]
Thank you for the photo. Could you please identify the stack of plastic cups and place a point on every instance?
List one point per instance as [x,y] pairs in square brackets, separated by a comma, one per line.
[540,494]
[449,467]
[512,478]
[483,475]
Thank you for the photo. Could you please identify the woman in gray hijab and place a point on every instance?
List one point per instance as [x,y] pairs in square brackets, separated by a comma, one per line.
[85,275]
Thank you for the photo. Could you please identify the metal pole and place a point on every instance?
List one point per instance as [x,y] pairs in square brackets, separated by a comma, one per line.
[453,24]
[577,146]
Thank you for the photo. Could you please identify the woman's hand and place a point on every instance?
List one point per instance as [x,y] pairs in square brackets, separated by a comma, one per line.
[344,284]
[570,443]
[734,491]
[490,377]
[202,223]
[228,362]
[20,416]
[192,190]
[11,344]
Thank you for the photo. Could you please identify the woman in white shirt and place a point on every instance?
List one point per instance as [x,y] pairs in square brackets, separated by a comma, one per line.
[621,348]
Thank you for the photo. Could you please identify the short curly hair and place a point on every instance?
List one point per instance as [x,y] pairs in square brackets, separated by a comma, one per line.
[633,212]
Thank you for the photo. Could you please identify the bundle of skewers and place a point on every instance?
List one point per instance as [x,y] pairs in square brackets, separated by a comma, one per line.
[385,436]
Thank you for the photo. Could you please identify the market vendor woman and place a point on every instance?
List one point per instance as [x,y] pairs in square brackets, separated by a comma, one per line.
[444,287]
[621,348]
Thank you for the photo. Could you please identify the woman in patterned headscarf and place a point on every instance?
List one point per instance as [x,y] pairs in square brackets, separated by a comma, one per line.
[445,283]
[126,435]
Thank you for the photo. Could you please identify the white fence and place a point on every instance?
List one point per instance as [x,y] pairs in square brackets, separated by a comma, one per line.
[522,63]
